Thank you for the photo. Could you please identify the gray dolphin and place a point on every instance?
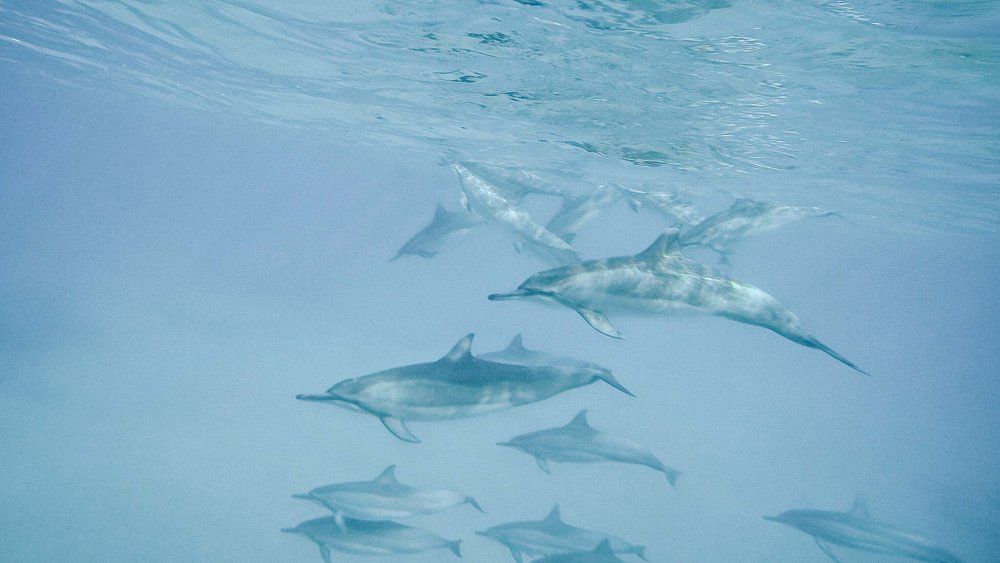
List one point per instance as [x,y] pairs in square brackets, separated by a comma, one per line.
[601,554]
[445,227]
[659,280]
[384,498]
[669,204]
[491,203]
[456,386]
[579,442]
[552,536]
[577,211]
[856,529]
[369,538]
[516,353]
[513,181]
[744,218]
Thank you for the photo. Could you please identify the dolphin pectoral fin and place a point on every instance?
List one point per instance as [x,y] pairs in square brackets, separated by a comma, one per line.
[600,323]
[826,550]
[517,555]
[543,465]
[339,519]
[464,201]
[324,552]
[399,429]
[454,546]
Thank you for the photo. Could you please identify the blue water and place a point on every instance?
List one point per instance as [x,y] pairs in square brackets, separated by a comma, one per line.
[198,201]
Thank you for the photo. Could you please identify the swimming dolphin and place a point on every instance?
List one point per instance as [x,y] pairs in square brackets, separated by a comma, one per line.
[551,536]
[671,205]
[601,554]
[385,498]
[578,442]
[456,386]
[856,529]
[487,200]
[745,218]
[514,182]
[445,227]
[369,538]
[659,280]
[577,211]
[516,353]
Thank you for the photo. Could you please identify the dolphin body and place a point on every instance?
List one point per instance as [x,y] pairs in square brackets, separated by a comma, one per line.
[659,280]
[668,204]
[601,554]
[491,203]
[516,353]
[577,211]
[384,498]
[456,386]
[552,536]
[369,538]
[745,218]
[578,442]
[856,529]
[445,228]
[514,182]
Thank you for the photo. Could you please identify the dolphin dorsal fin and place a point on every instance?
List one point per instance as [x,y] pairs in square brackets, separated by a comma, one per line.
[580,420]
[460,352]
[554,517]
[387,477]
[440,214]
[604,548]
[515,345]
[860,509]
[667,244]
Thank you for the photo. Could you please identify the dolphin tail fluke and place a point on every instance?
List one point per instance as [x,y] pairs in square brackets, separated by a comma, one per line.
[672,475]
[813,343]
[612,381]
[454,547]
[399,429]
[600,323]
[474,504]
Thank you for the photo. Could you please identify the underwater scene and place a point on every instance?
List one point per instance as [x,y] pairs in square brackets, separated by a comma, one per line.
[499,280]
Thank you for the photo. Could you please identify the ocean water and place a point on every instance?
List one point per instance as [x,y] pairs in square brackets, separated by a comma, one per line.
[199,201]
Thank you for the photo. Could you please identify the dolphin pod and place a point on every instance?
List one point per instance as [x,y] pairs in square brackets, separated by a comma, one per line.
[551,536]
[659,280]
[578,442]
[384,498]
[456,386]
[855,529]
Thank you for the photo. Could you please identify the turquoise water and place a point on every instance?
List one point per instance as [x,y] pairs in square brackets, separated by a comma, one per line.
[198,201]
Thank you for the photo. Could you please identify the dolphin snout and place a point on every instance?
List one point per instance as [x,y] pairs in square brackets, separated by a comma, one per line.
[518,294]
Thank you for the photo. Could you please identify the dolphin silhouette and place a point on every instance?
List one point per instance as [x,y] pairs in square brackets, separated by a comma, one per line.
[446,226]
[369,538]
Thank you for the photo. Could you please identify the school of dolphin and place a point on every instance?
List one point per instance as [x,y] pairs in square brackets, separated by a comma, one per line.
[660,280]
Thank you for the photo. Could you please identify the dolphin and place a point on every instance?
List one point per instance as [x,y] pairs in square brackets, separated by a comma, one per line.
[745,218]
[456,386]
[577,211]
[601,554]
[490,202]
[444,227]
[659,280]
[551,536]
[671,205]
[369,538]
[514,182]
[384,498]
[516,353]
[578,442]
[856,529]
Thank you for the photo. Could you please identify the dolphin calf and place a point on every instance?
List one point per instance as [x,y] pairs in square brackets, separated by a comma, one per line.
[487,200]
[856,529]
[384,498]
[552,536]
[369,538]
[659,280]
[444,228]
[745,218]
[601,554]
[578,442]
[456,386]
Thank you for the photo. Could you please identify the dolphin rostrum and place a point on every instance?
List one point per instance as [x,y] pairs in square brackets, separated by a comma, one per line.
[856,529]
[745,218]
[369,538]
[659,280]
[578,442]
[384,498]
[456,386]
[444,227]
[490,202]
[552,536]
[601,554]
